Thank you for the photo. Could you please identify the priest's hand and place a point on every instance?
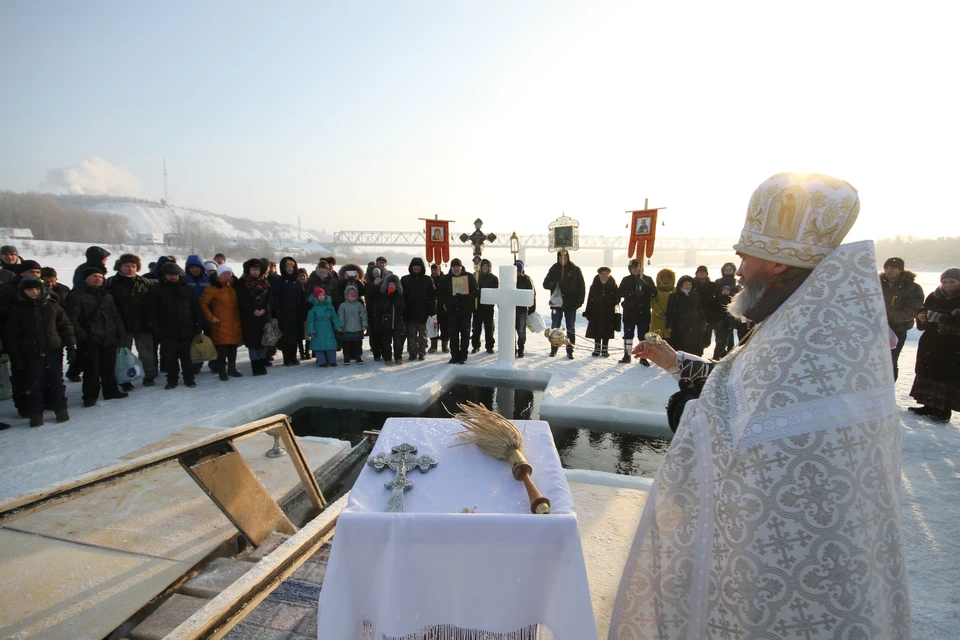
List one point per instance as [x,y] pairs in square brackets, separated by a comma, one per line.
[662,355]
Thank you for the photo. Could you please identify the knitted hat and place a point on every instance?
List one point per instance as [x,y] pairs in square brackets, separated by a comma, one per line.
[704,269]
[950,273]
[9,248]
[797,219]
[28,265]
[224,268]
[633,264]
[210,265]
[349,289]
[896,263]
[604,270]
[89,271]
[317,291]
[456,263]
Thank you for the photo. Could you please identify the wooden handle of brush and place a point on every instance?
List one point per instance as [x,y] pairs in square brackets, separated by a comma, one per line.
[539,503]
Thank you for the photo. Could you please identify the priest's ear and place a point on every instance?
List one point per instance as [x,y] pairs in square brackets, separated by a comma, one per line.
[780,269]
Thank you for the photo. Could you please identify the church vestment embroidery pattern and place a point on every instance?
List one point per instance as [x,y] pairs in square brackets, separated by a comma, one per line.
[776,510]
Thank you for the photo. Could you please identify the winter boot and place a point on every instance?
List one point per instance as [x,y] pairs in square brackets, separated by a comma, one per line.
[36,419]
[627,348]
[520,351]
[644,362]
[433,345]
[62,415]
[446,348]
[604,352]
[925,410]
[937,416]
[569,353]
[223,374]
[553,351]
[127,386]
[596,348]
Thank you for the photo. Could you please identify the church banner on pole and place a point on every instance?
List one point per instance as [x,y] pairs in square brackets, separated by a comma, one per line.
[643,233]
[438,240]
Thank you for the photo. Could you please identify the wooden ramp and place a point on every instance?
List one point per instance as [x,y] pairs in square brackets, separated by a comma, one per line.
[82,567]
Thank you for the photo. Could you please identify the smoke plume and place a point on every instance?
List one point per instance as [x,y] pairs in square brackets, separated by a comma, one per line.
[93,176]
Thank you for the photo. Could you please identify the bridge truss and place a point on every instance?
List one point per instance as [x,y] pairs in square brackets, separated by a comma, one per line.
[534,241]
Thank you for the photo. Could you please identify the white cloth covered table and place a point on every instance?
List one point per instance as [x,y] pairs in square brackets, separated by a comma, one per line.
[497,569]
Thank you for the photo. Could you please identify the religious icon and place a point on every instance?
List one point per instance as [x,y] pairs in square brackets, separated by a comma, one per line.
[643,226]
[436,234]
[460,285]
[564,233]
[563,236]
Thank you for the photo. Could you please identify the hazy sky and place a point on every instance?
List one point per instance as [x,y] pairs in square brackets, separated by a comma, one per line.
[369,115]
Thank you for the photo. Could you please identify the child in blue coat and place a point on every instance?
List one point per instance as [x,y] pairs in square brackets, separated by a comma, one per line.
[322,327]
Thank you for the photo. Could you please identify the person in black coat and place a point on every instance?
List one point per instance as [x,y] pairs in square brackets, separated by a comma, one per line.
[685,318]
[903,299]
[37,331]
[483,316]
[636,291]
[177,315]
[371,298]
[436,274]
[131,295]
[9,264]
[99,331]
[937,384]
[420,302]
[707,291]
[390,308]
[57,290]
[601,310]
[290,305]
[458,295]
[253,299]
[523,282]
[568,279]
[96,259]
[726,288]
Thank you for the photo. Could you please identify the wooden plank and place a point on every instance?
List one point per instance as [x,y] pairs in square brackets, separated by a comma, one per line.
[106,476]
[226,610]
[301,465]
[233,486]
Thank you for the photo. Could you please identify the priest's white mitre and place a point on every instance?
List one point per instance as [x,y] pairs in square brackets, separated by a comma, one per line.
[776,511]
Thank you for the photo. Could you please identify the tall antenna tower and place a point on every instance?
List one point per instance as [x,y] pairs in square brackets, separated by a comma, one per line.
[166,189]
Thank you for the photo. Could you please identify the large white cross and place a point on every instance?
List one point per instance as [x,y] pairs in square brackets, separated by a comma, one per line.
[507,298]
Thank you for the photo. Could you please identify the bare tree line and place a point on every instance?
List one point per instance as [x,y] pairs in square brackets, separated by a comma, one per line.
[50,220]
[933,253]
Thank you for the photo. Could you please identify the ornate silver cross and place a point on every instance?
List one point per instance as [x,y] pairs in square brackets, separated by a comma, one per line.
[402,457]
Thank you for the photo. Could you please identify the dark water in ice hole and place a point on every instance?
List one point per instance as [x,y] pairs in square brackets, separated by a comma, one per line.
[579,448]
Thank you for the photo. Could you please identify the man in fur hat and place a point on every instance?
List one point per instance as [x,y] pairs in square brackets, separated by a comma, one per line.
[776,510]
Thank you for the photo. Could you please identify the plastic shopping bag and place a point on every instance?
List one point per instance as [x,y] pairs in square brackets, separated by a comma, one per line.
[535,322]
[433,327]
[129,367]
[202,349]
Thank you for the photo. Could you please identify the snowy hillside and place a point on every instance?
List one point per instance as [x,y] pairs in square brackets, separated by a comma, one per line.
[158,218]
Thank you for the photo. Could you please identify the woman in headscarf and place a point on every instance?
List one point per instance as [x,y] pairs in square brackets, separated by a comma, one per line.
[937,385]
[253,298]
[290,303]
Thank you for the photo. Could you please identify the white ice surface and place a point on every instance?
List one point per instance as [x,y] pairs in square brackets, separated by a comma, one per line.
[587,388]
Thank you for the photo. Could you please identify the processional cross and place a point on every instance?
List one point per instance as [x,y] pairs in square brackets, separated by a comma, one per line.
[402,457]
[478,237]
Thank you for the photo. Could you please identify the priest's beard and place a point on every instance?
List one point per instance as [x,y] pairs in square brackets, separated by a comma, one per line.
[749,297]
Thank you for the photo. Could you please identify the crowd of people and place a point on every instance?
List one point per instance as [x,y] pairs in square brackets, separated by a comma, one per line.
[272,308]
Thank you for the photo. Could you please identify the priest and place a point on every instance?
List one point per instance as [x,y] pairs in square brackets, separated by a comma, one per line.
[775,512]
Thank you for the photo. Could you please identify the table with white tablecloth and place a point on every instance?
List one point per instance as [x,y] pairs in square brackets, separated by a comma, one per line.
[466,555]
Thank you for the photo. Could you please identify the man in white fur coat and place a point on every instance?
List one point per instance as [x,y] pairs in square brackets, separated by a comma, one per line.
[775,513]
